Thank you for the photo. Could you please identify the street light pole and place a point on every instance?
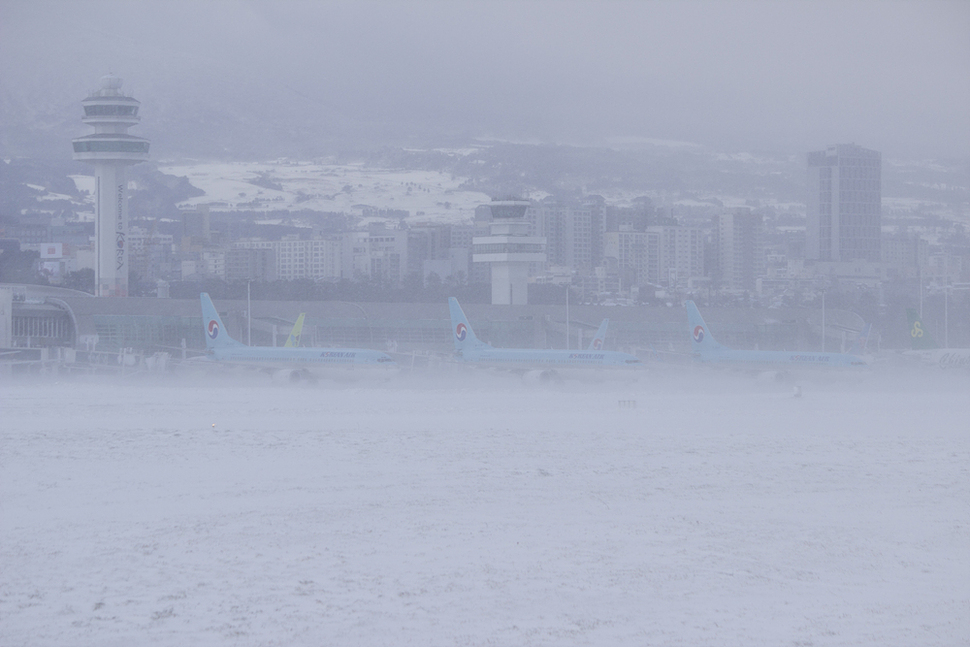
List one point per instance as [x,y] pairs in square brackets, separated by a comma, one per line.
[370,330]
[946,314]
[249,315]
[823,321]
[921,292]
[567,317]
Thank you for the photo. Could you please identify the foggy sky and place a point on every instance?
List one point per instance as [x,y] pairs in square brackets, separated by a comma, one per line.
[894,76]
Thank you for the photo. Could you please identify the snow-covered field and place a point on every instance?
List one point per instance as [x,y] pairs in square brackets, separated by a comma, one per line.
[437,197]
[479,512]
[429,196]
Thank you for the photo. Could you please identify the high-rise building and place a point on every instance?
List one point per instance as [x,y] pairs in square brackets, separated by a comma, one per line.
[740,249]
[317,259]
[681,254]
[636,253]
[844,204]
[568,230]
[596,205]
[251,264]
[662,255]
[150,253]
[376,253]
[111,149]
[905,255]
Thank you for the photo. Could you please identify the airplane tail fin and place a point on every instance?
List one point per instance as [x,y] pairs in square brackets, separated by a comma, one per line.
[216,335]
[859,343]
[600,338]
[920,337]
[701,340]
[465,338]
[294,339]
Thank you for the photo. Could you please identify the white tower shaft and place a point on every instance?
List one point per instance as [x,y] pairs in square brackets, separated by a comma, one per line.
[111,230]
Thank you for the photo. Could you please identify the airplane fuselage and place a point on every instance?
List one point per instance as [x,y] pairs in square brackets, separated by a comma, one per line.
[223,349]
[943,357]
[708,351]
[288,357]
[547,359]
[780,358]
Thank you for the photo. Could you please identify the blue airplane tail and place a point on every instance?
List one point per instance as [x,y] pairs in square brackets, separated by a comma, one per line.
[465,338]
[701,339]
[600,338]
[859,343]
[216,335]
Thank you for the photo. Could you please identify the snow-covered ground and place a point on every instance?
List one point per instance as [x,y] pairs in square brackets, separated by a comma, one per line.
[719,511]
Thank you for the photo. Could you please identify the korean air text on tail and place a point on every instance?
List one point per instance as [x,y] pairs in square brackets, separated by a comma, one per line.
[216,335]
[465,338]
[701,340]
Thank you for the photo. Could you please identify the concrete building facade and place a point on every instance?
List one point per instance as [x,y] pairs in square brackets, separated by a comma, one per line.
[251,264]
[376,253]
[681,255]
[739,236]
[318,259]
[636,252]
[661,255]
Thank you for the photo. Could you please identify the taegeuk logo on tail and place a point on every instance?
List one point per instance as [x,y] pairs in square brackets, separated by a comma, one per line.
[698,334]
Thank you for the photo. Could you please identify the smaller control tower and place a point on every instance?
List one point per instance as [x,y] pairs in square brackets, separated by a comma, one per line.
[111,149]
[509,250]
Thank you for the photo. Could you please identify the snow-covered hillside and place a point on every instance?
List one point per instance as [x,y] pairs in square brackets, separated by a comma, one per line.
[429,196]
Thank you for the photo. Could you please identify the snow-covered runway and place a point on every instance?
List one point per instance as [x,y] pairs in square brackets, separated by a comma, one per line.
[481,512]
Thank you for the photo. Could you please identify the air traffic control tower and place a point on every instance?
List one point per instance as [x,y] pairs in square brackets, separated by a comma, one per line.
[111,149]
[509,249]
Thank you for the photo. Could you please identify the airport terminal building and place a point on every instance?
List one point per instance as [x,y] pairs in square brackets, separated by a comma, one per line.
[35,318]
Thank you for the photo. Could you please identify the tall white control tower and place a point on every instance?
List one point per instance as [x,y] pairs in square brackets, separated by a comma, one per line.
[509,250]
[111,149]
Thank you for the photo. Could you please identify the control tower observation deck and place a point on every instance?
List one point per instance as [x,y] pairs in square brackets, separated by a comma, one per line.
[509,249]
[111,149]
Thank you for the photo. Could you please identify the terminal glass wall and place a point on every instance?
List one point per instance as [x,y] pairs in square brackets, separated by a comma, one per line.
[147,332]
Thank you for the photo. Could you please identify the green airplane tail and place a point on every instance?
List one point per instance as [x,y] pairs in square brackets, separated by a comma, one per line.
[920,336]
[294,339]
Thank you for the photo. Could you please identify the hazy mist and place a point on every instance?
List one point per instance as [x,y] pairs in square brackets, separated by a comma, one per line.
[247,79]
